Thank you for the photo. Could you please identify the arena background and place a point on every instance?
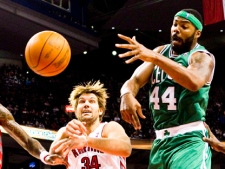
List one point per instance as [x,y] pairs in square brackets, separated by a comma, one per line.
[92,26]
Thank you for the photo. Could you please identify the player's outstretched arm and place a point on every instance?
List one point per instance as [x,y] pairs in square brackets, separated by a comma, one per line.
[130,108]
[30,144]
[213,141]
[114,140]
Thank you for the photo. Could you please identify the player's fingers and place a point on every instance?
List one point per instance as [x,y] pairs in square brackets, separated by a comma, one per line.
[72,132]
[60,145]
[61,161]
[66,152]
[126,117]
[205,139]
[206,126]
[135,41]
[62,148]
[139,111]
[126,38]
[48,159]
[78,125]
[136,122]
[126,46]
[82,128]
[75,128]
[134,58]
[209,130]
[66,164]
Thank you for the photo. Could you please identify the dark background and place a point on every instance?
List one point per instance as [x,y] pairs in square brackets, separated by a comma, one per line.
[21,19]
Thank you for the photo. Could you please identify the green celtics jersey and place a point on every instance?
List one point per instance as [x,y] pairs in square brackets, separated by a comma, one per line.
[170,103]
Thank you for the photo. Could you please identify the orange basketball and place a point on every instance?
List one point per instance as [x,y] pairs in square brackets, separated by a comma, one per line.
[47,53]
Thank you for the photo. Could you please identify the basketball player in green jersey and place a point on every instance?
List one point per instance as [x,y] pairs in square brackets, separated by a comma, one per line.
[179,75]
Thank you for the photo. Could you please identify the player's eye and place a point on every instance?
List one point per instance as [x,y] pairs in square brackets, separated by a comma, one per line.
[92,101]
[81,101]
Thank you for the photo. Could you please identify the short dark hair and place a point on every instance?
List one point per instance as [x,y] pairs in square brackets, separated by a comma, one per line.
[195,13]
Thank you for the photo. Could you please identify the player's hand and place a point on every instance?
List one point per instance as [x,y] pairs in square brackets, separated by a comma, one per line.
[75,127]
[212,140]
[130,109]
[64,146]
[55,159]
[60,147]
[137,50]
[77,142]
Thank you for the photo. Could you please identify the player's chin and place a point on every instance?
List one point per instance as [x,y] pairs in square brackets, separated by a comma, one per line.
[176,43]
[85,117]
[177,47]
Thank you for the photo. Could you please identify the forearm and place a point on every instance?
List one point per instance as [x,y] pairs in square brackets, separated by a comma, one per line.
[140,77]
[188,78]
[111,146]
[30,144]
[221,148]
[34,148]
[192,77]
[129,87]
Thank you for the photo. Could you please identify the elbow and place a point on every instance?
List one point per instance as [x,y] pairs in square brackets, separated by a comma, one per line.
[127,151]
[194,85]
[194,88]
[195,82]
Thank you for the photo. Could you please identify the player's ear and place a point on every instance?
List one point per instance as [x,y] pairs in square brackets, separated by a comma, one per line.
[198,33]
[100,112]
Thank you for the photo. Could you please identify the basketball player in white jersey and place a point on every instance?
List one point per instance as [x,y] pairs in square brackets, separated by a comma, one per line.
[31,145]
[88,142]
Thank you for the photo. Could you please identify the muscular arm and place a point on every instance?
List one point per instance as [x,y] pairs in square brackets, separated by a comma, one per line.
[16,132]
[130,108]
[32,146]
[115,141]
[59,136]
[73,135]
[140,77]
[194,76]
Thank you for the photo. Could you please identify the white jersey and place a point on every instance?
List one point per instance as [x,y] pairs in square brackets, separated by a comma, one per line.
[89,158]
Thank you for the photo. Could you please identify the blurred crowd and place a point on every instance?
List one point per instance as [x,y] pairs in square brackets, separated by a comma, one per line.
[40,101]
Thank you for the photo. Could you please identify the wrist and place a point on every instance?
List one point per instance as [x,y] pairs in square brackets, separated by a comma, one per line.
[43,155]
[221,147]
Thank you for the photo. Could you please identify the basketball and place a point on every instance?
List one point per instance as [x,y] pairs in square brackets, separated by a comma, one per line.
[47,53]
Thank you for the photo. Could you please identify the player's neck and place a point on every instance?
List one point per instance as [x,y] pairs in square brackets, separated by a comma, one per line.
[194,45]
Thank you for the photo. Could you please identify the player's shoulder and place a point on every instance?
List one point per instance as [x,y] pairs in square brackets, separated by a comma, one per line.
[112,127]
[112,124]
[158,49]
[62,129]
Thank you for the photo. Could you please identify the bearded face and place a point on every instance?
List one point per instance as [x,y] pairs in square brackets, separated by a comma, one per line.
[180,45]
